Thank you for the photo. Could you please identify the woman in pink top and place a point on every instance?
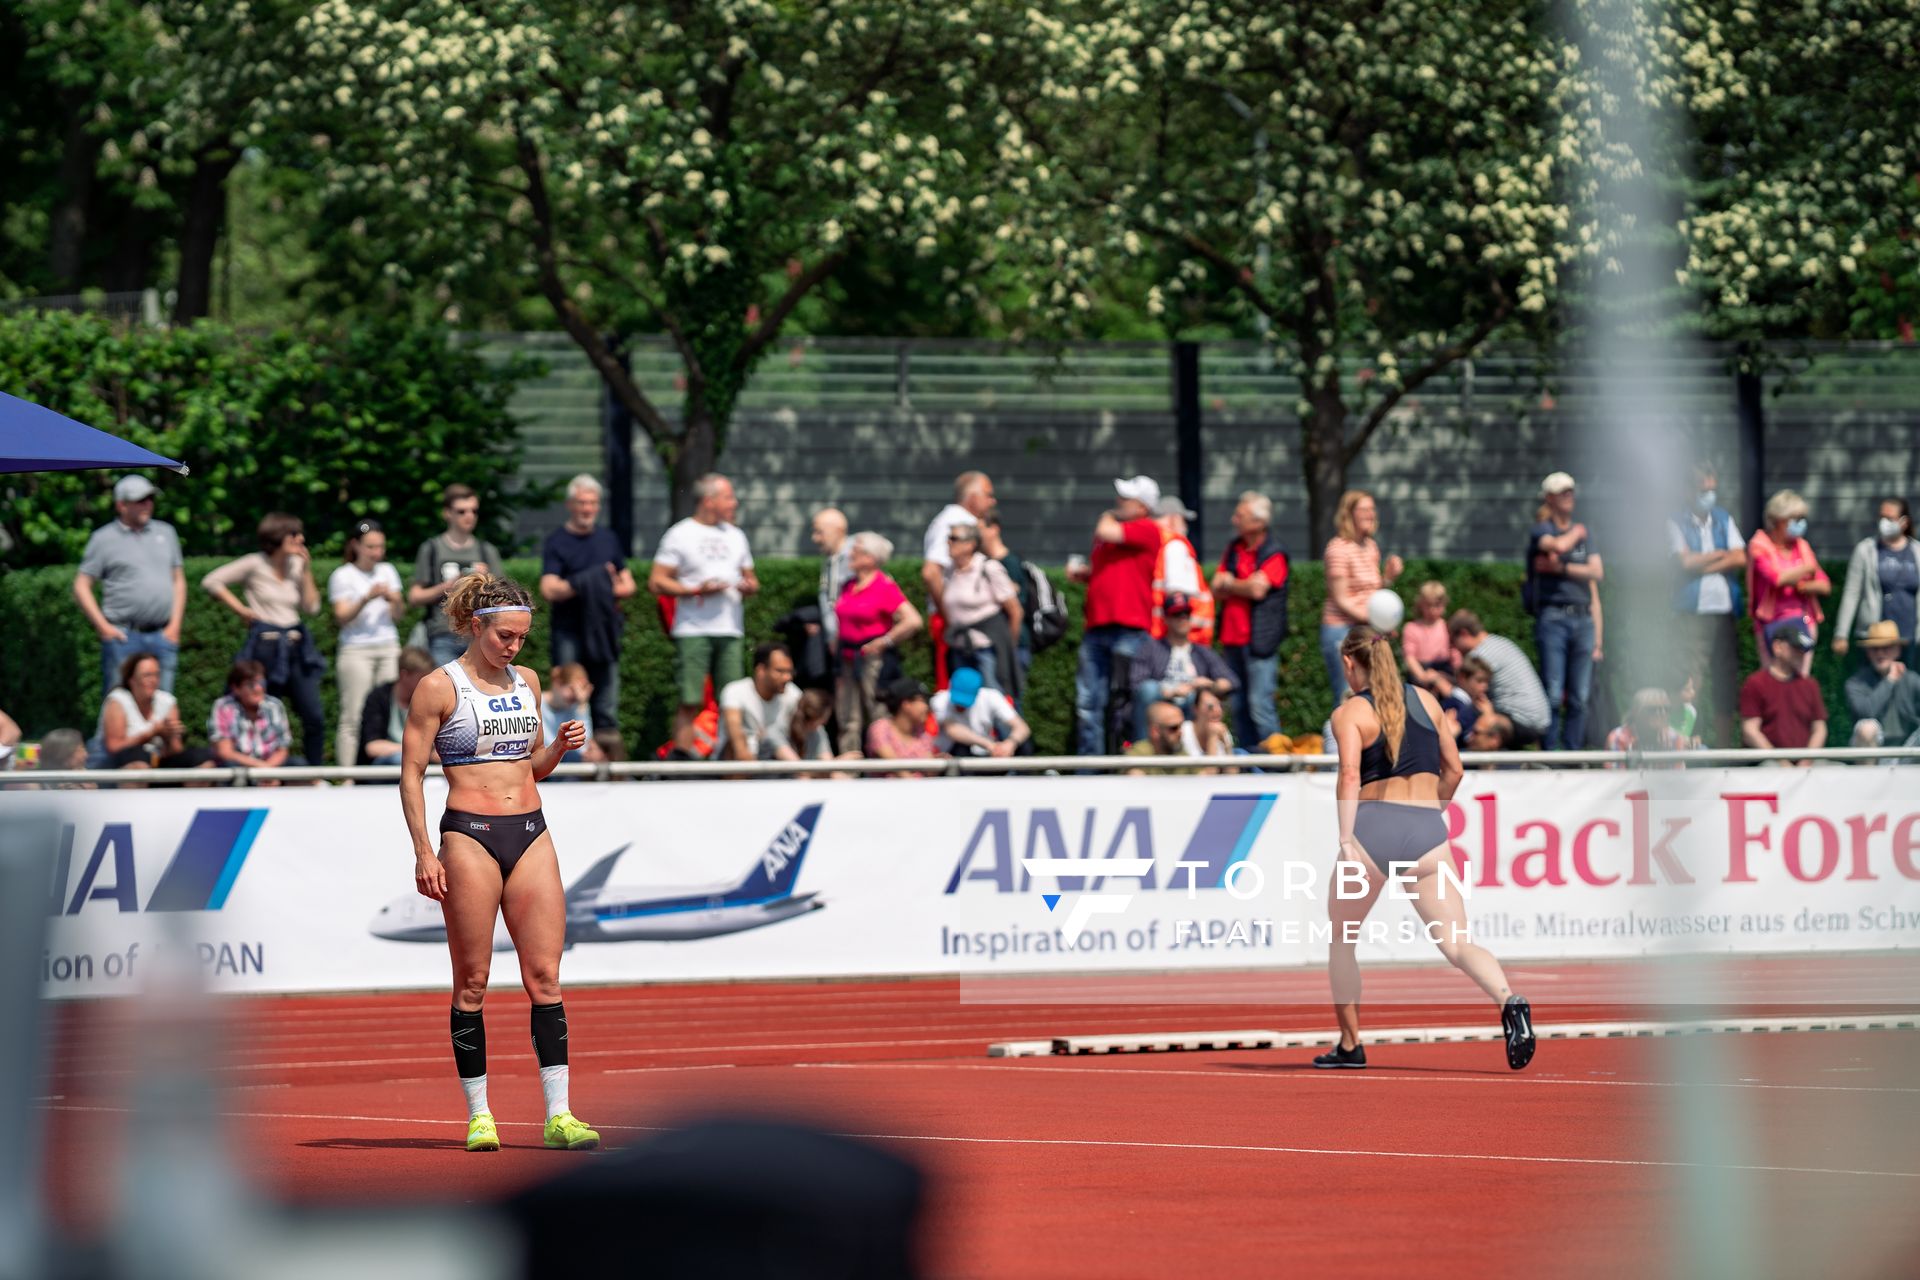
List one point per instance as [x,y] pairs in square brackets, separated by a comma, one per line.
[875,617]
[902,734]
[278,580]
[1424,642]
[1353,575]
[1784,577]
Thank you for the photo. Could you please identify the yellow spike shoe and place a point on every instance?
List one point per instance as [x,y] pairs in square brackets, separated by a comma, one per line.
[481,1135]
[564,1133]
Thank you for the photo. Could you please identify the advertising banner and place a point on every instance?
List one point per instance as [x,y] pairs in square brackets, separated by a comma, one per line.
[311,888]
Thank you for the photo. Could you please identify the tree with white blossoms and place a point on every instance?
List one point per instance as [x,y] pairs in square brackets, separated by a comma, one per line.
[1802,132]
[693,167]
[1381,181]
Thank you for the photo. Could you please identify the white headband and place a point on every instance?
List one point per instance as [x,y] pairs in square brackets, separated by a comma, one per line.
[504,608]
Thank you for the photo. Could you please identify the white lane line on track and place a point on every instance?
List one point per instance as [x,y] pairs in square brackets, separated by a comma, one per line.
[1119,1143]
[1238,1074]
[577,1054]
[637,1071]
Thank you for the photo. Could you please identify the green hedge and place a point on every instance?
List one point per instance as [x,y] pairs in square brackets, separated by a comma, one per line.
[49,673]
[330,425]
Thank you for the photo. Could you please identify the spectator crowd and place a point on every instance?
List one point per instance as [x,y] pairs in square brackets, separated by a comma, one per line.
[1173,660]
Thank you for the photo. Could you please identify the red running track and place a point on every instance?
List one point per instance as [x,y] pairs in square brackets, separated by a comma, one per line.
[1436,1158]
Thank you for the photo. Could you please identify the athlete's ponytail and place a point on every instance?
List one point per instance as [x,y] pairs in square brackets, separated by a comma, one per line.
[1371,648]
[479,591]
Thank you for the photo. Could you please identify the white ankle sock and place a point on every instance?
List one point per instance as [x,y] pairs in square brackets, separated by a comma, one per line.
[476,1087]
[553,1083]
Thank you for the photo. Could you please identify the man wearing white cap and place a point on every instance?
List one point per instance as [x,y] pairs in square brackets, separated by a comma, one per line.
[1126,546]
[1563,595]
[136,561]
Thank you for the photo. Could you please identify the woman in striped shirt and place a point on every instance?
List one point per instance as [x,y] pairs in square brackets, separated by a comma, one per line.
[1354,573]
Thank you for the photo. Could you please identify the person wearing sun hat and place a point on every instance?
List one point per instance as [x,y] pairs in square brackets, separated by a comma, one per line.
[1119,609]
[1883,695]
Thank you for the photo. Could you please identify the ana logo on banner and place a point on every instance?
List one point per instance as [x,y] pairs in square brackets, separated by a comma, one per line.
[199,876]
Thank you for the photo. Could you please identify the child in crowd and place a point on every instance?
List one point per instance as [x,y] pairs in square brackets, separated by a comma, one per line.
[1647,726]
[1468,697]
[1685,716]
[1424,642]
[568,695]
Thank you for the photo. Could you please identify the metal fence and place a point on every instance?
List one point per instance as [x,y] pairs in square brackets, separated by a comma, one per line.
[1456,465]
[734,770]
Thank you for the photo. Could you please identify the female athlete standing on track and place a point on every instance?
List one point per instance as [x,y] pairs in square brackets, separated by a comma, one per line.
[482,715]
[1397,773]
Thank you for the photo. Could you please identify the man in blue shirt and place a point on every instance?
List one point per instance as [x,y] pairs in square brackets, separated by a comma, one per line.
[1564,574]
[1710,557]
[584,576]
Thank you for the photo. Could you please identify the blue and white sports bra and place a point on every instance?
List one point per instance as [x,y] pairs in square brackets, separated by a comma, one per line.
[487,728]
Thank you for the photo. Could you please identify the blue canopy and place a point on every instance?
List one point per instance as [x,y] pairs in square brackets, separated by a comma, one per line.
[33,438]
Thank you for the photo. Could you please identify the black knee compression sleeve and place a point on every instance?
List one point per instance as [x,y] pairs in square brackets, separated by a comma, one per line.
[550,1034]
[469,1043]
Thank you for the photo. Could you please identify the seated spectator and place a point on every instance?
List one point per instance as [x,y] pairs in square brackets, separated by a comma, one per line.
[1207,732]
[807,731]
[248,726]
[9,739]
[1515,686]
[903,733]
[1424,641]
[1648,725]
[383,716]
[1685,714]
[758,709]
[61,750]
[1174,669]
[1164,723]
[1491,732]
[569,696]
[1468,697]
[140,723]
[1329,745]
[1779,707]
[976,721]
[1883,695]
[611,746]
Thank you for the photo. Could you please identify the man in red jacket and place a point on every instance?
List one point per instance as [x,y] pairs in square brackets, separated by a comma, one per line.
[1126,546]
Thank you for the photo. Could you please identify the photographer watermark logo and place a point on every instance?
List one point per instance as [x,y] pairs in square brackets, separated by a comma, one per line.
[1086,905]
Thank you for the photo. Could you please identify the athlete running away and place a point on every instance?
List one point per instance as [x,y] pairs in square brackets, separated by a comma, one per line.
[1397,773]
[481,714]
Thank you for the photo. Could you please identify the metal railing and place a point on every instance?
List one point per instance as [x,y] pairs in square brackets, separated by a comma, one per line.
[964,766]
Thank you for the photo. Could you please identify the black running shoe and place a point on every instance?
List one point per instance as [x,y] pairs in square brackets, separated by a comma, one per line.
[1354,1059]
[1516,1019]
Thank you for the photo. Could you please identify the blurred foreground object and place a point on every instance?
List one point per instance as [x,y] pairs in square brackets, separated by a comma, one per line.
[728,1198]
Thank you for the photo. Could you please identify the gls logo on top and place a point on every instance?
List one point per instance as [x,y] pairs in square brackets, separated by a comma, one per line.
[198,877]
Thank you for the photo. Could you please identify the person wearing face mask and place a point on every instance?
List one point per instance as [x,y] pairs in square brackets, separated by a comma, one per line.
[1883,578]
[1784,576]
[1710,557]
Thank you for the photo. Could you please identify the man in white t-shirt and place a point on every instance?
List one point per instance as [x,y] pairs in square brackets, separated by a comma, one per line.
[756,713]
[706,567]
[974,720]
